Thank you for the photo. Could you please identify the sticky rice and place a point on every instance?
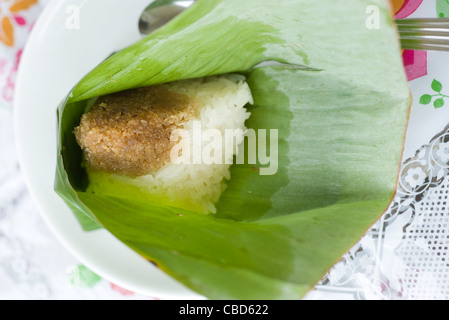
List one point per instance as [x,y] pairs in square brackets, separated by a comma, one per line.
[144,143]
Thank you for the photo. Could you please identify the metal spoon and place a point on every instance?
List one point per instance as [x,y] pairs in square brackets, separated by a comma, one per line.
[154,18]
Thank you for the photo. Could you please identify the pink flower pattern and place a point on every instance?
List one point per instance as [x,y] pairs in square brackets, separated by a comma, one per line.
[7,92]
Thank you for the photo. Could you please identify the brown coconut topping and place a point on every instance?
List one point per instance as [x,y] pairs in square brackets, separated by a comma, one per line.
[128,133]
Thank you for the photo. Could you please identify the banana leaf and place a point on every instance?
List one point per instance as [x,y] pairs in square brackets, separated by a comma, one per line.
[340,101]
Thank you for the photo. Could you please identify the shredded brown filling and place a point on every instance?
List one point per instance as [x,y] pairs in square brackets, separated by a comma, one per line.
[128,133]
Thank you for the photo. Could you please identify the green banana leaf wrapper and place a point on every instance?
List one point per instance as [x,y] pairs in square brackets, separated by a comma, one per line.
[338,96]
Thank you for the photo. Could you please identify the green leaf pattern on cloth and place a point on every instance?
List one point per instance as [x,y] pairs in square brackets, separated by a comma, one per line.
[442,7]
[438,97]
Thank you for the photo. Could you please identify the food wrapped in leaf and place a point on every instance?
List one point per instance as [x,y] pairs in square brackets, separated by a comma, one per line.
[149,142]
[324,94]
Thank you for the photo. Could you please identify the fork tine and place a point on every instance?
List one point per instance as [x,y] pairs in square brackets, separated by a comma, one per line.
[422,40]
[416,43]
[422,27]
[424,32]
[426,22]
[423,47]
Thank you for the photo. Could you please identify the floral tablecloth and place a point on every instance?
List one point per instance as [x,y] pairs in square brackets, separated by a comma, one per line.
[33,265]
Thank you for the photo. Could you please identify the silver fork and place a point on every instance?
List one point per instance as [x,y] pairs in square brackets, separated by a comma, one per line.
[428,34]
